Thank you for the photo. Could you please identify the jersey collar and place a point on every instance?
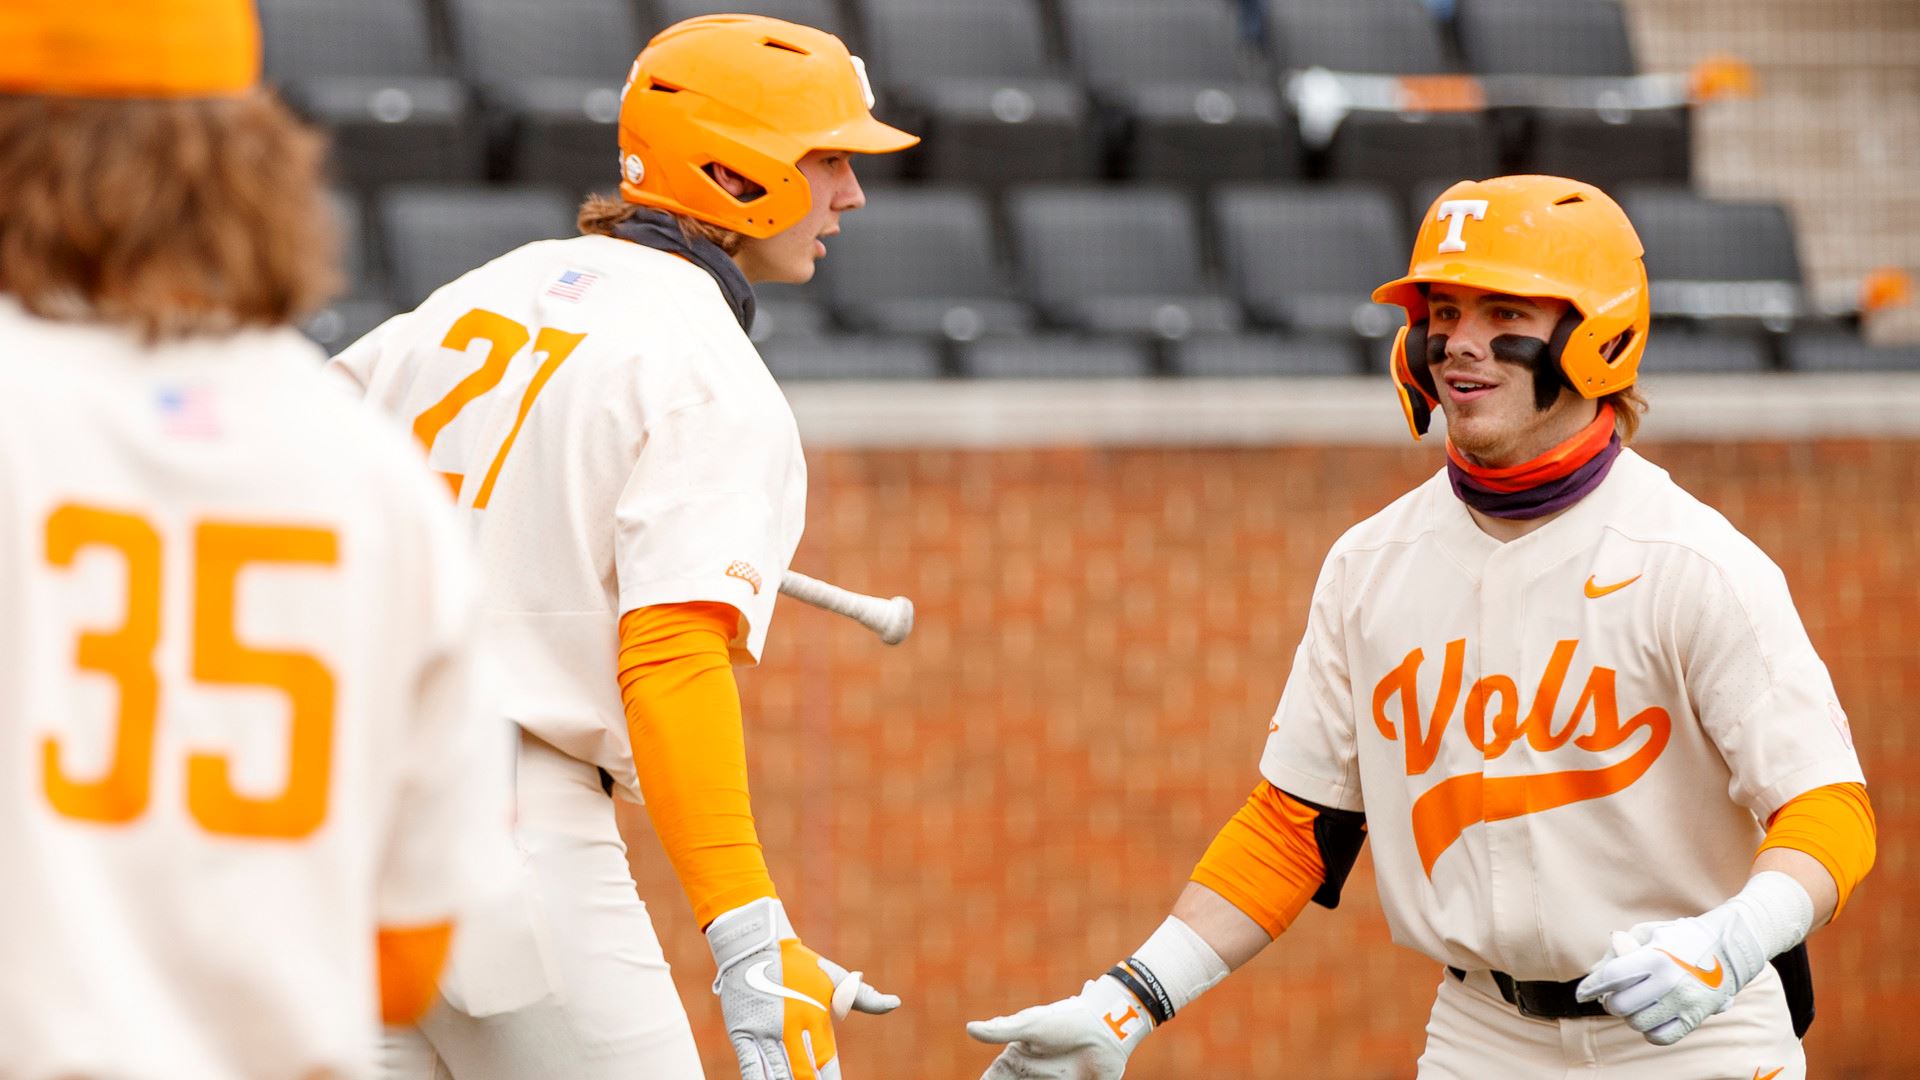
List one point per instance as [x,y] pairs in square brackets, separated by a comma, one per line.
[658,230]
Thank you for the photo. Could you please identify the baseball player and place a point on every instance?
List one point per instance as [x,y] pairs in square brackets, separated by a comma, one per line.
[637,486]
[1609,784]
[242,799]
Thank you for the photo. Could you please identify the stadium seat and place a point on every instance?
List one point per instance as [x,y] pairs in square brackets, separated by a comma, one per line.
[975,80]
[1257,355]
[550,72]
[1190,102]
[363,304]
[1388,37]
[1717,260]
[1308,258]
[1671,349]
[435,234]
[922,261]
[781,312]
[1382,37]
[1117,260]
[1571,44]
[819,14]
[368,71]
[1052,356]
[1840,350]
[343,322]
[863,356]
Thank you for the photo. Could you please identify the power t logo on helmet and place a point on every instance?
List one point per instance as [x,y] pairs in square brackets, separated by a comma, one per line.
[754,95]
[1529,236]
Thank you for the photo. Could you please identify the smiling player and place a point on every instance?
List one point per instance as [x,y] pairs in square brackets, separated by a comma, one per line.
[636,481]
[1605,772]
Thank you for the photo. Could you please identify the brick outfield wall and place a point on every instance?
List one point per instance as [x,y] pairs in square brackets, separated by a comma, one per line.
[1001,807]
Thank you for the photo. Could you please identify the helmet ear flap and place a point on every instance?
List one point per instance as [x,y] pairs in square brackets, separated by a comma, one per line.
[1408,362]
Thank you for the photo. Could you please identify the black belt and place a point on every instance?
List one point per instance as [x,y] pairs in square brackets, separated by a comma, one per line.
[1540,1000]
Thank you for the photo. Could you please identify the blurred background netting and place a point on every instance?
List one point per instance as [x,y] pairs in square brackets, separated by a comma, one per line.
[1126,190]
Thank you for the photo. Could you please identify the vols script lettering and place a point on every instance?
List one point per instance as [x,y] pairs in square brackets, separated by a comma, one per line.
[1493,723]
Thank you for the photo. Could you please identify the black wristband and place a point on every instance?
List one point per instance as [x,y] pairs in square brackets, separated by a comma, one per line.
[1141,983]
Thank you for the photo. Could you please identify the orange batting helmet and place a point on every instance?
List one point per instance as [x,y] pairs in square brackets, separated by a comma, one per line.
[1528,236]
[130,49]
[753,94]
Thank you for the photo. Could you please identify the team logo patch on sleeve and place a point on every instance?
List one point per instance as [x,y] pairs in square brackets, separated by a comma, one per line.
[746,573]
[572,286]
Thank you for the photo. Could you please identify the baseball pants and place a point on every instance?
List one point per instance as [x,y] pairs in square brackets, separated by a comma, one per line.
[1474,1034]
[563,978]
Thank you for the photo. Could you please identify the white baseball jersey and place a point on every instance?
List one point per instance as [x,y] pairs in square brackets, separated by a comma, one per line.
[233,729]
[1559,736]
[619,443]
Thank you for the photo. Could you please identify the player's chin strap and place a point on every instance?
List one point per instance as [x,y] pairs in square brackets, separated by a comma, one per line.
[658,230]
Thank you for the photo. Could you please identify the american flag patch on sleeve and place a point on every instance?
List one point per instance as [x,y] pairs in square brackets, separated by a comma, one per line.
[572,285]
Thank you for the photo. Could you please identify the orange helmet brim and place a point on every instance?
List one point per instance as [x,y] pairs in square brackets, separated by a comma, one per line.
[864,135]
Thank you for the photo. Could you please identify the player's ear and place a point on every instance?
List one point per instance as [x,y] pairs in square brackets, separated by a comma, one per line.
[735,185]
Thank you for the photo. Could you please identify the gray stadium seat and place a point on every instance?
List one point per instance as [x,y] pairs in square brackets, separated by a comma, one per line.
[1050,356]
[1309,258]
[358,262]
[1675,350]
[363,303]
[369,72]
[1194,104]
[1840,350]
[781,312]
[819,14]
[975,80]
[1544,37]
[863,356]
[1117,260]
[1392,148]
[781,320]
[344,322]
[1258,355]
[922,261]
[1389,37]
[1710,259]
[551,71]
[1383,37]
[1604,144]
[435,234]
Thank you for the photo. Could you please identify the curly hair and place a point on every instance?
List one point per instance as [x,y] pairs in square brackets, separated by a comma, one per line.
[170,217]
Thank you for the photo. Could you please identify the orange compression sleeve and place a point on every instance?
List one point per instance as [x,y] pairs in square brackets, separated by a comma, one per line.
[1834,824]
[410,963]
[1265,860]
[683,717]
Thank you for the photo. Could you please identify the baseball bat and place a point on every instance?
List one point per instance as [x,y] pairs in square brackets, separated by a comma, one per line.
[891,619]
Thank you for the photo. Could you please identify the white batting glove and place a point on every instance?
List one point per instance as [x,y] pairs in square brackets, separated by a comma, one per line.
[780,998]
[1666,978]
[1085,1037]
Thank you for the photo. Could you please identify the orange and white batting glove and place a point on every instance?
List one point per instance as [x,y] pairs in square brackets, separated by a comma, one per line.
[1090,1035]
[780,998]
[1667,978]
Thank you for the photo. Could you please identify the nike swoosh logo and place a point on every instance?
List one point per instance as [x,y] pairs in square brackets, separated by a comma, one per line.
[1769,1076]
[1711,978]
[757,980]
[1595,592]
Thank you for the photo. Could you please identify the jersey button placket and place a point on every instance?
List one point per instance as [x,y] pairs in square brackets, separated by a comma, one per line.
[1502,631]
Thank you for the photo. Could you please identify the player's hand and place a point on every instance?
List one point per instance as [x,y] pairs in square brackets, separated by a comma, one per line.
[780,998]
[1666,978]
[1085,1037]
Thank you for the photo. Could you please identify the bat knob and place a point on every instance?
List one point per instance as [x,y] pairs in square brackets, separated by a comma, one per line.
[899,621]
